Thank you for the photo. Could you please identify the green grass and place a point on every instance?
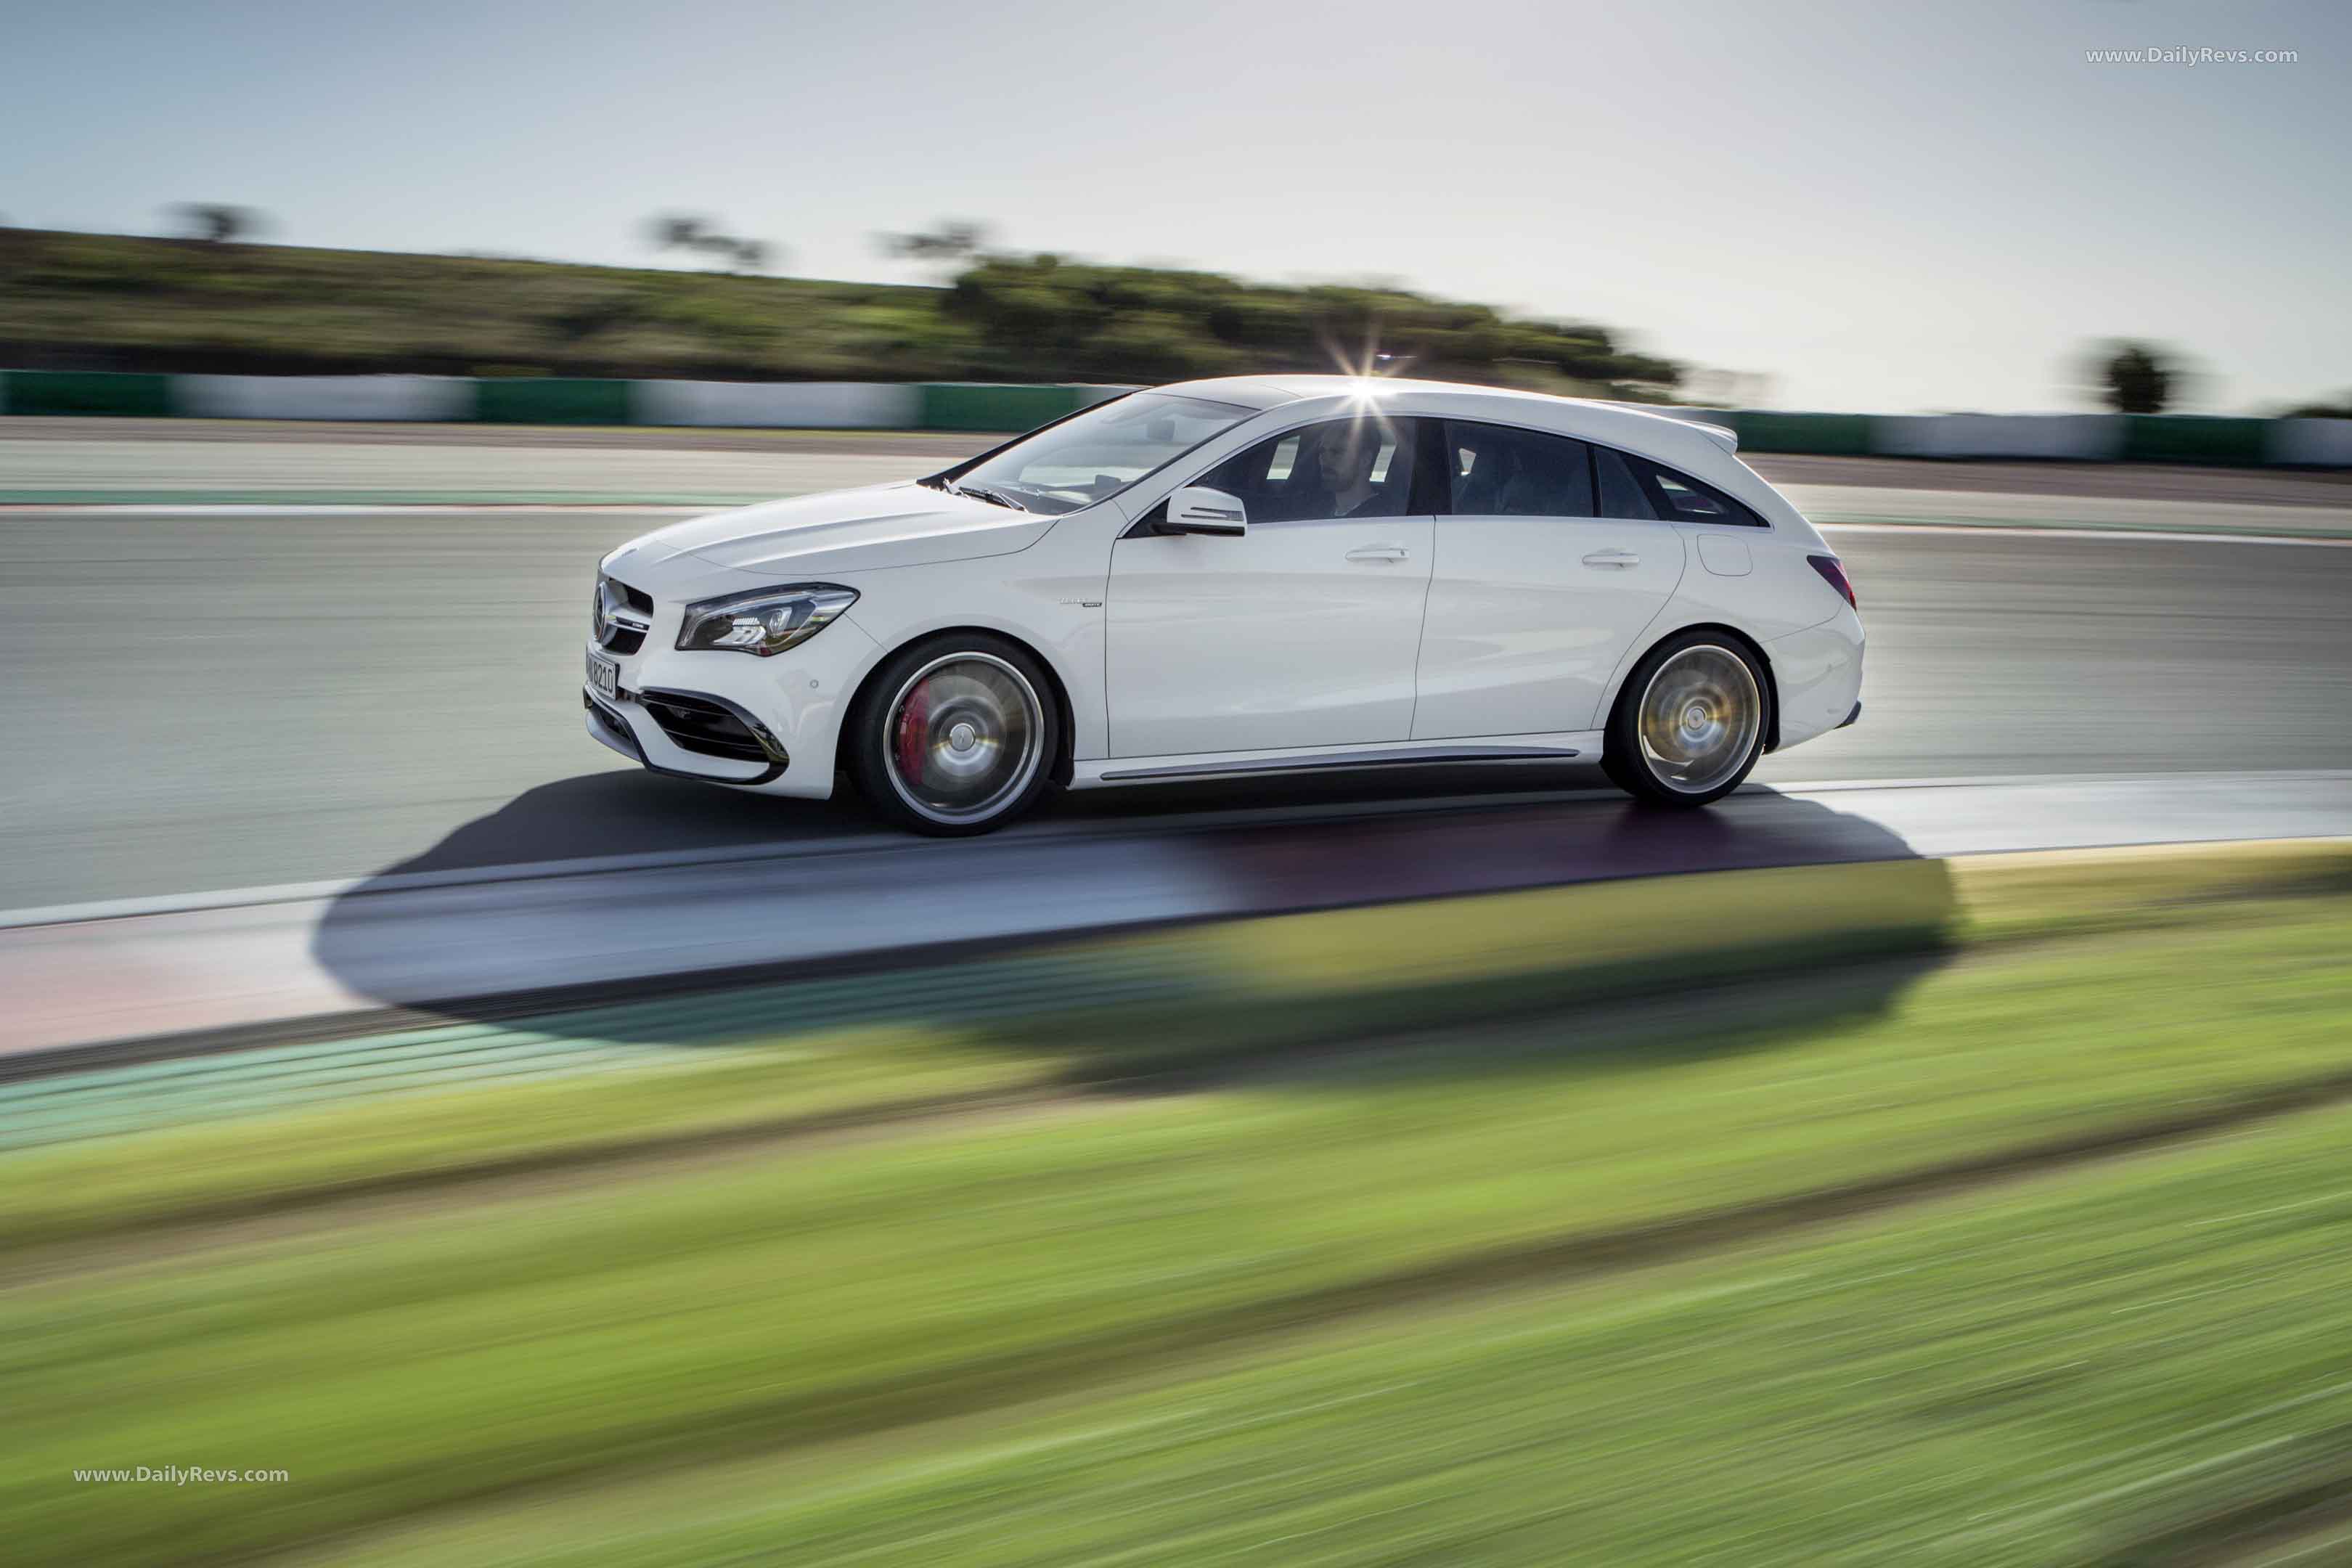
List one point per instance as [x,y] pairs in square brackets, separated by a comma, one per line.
[2136,1365]
[1359,1304]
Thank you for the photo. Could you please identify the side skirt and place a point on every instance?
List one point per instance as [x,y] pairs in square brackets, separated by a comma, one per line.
[1580,746]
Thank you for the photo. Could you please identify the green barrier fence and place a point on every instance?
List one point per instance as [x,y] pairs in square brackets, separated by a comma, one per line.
[981,405]
[1843,435]
[2193,438]
[86,392]
[551,400]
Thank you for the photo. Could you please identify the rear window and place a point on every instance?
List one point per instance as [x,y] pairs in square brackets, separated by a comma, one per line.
[1636,487]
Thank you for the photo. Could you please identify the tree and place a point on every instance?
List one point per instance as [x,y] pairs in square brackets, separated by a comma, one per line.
[677,231]
[1055,318]
[2138,378]
[949,242]
[737,255]
[2323,410]
[680,231]
[215,223]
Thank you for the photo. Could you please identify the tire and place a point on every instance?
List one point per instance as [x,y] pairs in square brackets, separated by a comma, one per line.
[955,735]
[1690,722]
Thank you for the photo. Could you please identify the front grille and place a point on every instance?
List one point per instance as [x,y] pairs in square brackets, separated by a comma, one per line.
[618,616]
[708,728]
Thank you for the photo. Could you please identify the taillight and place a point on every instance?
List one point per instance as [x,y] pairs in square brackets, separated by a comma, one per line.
[1833,574]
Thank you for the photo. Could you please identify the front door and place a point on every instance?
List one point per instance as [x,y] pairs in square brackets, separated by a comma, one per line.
[1302,632]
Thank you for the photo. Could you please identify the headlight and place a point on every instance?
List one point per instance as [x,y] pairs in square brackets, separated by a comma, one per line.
[767,621]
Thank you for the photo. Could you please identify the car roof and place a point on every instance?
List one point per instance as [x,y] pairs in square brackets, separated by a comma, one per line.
[1659,434]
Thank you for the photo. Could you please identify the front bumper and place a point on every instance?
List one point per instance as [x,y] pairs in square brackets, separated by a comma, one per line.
[767,724]
[703,732]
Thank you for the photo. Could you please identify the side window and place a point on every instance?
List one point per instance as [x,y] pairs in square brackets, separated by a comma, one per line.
[1621,494]
[1497,471]
[1664,493]
[1344,467]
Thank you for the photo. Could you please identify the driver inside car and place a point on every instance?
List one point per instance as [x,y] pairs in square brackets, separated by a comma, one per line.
[1348,453]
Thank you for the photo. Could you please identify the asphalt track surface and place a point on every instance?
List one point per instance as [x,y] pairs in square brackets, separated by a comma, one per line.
[220,701]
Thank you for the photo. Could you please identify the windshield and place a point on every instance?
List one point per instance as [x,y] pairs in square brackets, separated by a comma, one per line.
[1098,452]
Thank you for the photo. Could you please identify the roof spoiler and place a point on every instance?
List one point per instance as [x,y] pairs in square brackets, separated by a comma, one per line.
[1723,435]
[1699,419]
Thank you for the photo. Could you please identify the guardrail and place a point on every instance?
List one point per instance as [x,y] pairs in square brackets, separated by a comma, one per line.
[2205,439]
[549,400]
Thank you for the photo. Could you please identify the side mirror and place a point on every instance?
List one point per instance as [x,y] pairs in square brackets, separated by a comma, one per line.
[1197,509]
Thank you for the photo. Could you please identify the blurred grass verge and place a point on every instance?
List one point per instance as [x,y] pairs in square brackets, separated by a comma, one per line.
[2140,1365]
[1470,1225]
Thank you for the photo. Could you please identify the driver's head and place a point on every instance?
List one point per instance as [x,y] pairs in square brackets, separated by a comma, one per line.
[1347,452]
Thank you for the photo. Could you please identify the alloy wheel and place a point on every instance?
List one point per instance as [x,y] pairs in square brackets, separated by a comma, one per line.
[1699,718]
[964,737]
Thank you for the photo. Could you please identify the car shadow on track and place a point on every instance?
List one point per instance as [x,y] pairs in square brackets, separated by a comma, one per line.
[1229,863]
[616,812]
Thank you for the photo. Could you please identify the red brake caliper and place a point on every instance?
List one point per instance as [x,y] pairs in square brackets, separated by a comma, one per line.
[914,734]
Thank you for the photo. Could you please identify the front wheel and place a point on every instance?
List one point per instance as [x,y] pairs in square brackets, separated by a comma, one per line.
[1690,722]
[958,737]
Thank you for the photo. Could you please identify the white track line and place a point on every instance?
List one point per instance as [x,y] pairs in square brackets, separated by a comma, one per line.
[2142,535]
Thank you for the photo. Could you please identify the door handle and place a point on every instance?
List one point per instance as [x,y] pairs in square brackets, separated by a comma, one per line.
[1379,553]
[1612,558]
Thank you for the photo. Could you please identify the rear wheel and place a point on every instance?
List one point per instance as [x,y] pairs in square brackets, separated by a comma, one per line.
[1690,722]
[958,737]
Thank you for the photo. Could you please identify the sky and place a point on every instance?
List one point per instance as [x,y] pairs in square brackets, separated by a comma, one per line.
[1874,204]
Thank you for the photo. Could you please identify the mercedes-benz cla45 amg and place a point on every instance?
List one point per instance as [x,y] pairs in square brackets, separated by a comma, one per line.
[1256,575]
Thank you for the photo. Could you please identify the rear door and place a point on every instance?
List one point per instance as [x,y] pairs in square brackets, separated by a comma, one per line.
[1535,597]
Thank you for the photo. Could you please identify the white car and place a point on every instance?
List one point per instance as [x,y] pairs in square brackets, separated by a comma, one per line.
[1255,575]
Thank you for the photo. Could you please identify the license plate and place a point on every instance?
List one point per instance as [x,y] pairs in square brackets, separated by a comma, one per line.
[604,676]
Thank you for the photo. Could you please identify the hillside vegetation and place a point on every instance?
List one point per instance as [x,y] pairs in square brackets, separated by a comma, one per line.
[80,301]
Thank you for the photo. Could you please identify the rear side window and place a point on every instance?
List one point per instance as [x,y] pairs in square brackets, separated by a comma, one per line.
[1636,487]
[1621,494]
[1497,471]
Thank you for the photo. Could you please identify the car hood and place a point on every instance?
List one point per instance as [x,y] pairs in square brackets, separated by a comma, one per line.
[837,531]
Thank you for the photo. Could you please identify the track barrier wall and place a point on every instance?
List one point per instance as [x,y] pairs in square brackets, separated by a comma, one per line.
[2076,437]
[2192,438]
[438,398]
[983,406]
[779,404]
[980,405]
[86,393]
[2312,443]
[1768,430]
[551,400]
